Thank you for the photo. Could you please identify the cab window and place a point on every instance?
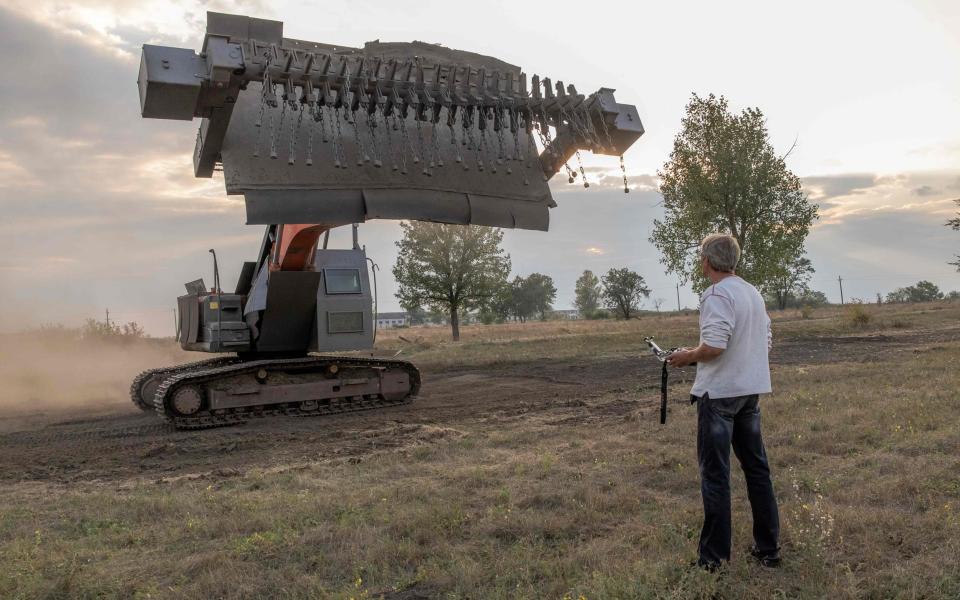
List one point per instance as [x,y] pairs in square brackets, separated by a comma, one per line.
[342,281]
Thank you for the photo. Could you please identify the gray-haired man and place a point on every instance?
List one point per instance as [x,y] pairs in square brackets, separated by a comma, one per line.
[732,371]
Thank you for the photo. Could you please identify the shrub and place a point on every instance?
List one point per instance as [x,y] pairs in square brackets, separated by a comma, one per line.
[806,311]
[93,329]
[857,315]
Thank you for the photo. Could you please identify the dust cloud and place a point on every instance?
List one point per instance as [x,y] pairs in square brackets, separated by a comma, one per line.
[56,373]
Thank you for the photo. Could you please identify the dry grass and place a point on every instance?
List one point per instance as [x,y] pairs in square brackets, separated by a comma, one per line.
[865,453]
[492,345]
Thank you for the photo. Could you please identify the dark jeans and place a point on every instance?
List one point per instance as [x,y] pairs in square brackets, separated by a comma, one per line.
[722,422]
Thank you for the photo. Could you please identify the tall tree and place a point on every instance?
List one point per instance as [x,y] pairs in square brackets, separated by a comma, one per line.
[724,175]
[955,225]
[793,280]
[540,293]
[623,290]
[587,293]
[531,295]
[521,305]
[449,268]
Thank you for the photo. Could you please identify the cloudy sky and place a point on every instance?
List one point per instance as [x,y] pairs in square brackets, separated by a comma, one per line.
[100,209]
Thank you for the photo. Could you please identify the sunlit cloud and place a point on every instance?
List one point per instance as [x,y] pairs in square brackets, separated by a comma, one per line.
[593,250]
[13,174]
[610,176]
[27,122]
[118,27]
[40,265]
[844,197]
[825,187]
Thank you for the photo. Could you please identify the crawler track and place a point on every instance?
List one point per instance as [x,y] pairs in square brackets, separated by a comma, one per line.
[205,373]
[146,403]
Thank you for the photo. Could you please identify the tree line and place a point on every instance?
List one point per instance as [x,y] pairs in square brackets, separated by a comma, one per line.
[723,175]
[453,269]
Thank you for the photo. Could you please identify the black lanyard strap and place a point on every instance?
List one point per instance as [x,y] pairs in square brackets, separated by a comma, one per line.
[662,355]
[663,394]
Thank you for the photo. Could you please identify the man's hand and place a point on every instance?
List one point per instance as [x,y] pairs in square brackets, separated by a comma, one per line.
[686,356]
[681,358]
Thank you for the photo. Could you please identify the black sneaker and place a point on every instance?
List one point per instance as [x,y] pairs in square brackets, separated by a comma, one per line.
[770,560]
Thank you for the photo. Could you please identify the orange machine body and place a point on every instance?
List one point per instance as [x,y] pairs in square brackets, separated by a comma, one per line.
[298,246]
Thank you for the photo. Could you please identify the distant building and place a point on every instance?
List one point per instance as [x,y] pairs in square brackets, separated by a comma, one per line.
[571,314]
[392,319]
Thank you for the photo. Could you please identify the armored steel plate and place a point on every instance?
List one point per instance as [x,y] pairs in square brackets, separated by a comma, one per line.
[506,193]
[289,319]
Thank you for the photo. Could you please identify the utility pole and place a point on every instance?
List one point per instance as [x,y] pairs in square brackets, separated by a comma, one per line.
[108,317]
[840,279]
[678,297]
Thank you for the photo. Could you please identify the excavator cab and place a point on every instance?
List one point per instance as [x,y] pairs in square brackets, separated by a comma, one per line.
[328,308]
[344,302]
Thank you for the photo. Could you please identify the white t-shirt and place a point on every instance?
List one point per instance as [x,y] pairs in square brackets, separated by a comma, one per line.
[733,316]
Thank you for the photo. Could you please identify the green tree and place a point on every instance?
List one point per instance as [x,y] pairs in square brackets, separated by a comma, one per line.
[531,295]
[811,298]
[587,294]
[449,268]
[898,295]
[955,225]
[792,281]
[922,291]
[519,303]
[623,290]
[724,175]
[500,306]
[539,293]
[925,291]
[806,297]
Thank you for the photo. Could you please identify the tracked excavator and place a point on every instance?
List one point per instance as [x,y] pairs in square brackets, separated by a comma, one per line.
[316,136]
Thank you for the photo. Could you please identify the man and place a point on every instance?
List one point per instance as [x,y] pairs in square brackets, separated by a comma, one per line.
[732,370]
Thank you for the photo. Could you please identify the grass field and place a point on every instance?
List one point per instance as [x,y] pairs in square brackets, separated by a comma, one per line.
[532,466]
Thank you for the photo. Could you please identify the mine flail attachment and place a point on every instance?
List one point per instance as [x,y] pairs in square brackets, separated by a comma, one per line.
[360,132]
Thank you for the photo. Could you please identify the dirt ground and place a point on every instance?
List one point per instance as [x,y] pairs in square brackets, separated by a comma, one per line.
[531,465]
[109,441]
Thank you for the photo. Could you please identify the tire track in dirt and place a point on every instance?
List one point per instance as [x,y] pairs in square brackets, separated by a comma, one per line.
[129,445]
